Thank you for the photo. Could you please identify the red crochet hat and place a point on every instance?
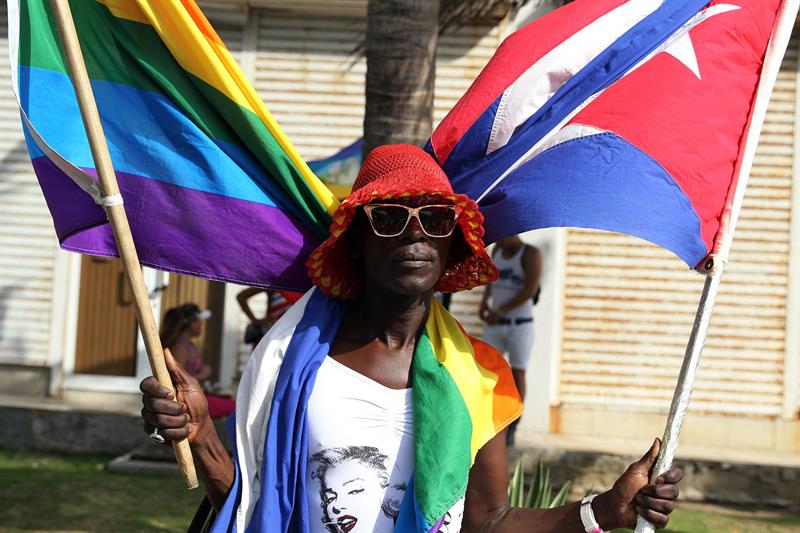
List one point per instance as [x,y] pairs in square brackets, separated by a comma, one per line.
[400,171]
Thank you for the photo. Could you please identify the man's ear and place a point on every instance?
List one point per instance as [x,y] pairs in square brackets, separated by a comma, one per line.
[355,231]
[459,249]
[353,243]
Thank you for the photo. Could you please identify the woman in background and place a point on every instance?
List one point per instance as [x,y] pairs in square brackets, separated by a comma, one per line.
[179,326]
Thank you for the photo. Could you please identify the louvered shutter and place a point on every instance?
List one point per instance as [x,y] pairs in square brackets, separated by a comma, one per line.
[28,243]
[629,306]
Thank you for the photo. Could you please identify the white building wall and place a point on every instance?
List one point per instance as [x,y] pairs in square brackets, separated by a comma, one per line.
[630,305]
[28,245]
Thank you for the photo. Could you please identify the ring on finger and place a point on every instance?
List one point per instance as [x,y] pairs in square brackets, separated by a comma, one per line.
[157,437]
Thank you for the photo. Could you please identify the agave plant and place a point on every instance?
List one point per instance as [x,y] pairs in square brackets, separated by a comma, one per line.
[540,490]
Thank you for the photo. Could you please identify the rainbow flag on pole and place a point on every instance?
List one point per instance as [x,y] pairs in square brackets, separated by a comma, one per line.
[211,184]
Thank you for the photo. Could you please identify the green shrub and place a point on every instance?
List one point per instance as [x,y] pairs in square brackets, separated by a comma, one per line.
[540,490]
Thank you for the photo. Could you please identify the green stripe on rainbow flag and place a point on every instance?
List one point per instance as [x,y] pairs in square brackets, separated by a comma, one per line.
[113,47]
[464,395]
[197,48]
[442,429]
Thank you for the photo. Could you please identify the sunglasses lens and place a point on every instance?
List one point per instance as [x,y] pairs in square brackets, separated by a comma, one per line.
[437,221]
[388,220]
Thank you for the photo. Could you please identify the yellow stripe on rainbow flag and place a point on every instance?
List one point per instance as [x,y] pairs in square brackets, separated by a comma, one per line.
[196,47]
[453,349]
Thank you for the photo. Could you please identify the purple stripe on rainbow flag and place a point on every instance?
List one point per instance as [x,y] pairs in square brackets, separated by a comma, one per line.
[438,525]
[166,146]
[167,240]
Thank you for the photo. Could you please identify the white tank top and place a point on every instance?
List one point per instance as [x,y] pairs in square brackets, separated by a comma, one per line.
[360,449]
[510,281]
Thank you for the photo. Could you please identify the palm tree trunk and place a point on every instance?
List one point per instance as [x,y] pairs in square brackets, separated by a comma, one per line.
[400,48]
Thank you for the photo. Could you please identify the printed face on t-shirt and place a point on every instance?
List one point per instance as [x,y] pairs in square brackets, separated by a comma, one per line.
[352,491]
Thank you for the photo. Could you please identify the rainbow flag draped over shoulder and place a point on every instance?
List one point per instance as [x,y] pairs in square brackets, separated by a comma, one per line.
[212,186]
[463,395]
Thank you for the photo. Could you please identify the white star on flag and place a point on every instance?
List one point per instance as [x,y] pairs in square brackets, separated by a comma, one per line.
[542,80]
[680,45]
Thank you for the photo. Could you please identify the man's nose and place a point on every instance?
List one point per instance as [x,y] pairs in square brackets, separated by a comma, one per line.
[413,231]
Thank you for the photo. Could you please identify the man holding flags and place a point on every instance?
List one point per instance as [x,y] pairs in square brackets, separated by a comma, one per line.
[369,361]
[552,133]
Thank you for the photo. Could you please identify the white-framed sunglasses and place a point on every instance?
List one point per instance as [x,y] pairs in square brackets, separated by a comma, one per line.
[391,220]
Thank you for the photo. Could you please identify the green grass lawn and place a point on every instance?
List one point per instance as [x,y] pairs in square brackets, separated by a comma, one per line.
[707,519]
[52,493]
[76,494]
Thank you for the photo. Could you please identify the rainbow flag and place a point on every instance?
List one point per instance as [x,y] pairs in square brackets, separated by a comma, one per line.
[211,184]
[463,395]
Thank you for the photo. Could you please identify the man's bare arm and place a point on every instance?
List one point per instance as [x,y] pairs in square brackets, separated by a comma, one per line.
[186,417]
[532,265]
[215,466]
[243,297]
[486,508]
[483,310]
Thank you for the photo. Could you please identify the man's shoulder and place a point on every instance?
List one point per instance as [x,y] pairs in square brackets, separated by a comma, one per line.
[531,255]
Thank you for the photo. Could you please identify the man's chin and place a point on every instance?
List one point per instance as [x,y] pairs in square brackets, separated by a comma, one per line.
[414,287]
[405,284]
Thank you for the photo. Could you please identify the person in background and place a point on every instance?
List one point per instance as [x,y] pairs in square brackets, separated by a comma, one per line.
[277,304]
[179,326]
[507,307]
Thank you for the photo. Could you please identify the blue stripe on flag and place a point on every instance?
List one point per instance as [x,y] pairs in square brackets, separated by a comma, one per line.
[410,519]
[149,136]
[471,171]
[352,150]
[608,184]
[471,149]
[282,505]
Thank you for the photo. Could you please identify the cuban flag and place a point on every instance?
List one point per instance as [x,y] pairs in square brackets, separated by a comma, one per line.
[627,116]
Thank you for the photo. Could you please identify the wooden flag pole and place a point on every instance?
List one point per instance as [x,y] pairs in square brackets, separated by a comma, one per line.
[715,265]
[116,214]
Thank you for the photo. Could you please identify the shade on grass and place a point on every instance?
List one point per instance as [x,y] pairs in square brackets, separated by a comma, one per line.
[54,493]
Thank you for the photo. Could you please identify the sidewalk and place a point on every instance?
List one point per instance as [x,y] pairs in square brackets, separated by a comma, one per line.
[635,448]
[84,423]
[736,477]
